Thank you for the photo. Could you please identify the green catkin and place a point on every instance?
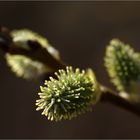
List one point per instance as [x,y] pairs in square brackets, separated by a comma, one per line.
[71,94]
[123,66]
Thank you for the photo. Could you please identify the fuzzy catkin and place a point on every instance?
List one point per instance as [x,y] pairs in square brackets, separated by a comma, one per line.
[71,94]
[123,65]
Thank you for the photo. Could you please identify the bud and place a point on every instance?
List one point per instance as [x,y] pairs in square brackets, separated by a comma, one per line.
[123,66]
[70,94]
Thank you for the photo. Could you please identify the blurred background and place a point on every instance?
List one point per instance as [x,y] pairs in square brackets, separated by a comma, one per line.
[80,31]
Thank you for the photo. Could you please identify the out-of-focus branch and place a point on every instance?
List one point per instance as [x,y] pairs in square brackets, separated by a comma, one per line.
[111,97]
[39,54]
[36,52]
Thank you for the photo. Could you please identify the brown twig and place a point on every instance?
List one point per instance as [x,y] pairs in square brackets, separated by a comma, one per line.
[39,54]
[111,97]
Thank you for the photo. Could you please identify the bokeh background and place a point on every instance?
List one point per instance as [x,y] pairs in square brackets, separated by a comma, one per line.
[80,31]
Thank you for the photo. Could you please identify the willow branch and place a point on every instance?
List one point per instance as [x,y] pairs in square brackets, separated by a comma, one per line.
[38,53]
